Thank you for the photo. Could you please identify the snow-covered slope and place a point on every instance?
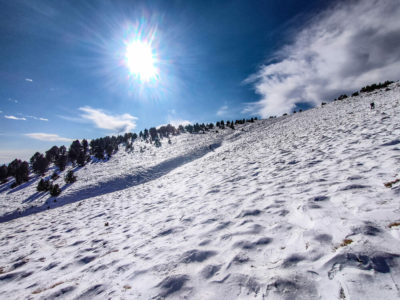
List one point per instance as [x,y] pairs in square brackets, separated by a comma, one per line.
[287,208]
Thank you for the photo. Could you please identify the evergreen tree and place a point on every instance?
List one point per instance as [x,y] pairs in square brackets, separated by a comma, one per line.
[54,176]
[70,177]
[109,150]
[99,152]
[55,190]
[62,159]
[145,134]
[74,151]
[22,173]
[34,158]
[153,133]
[81,159]
[52,154]
[85,146]
[157,143]
[3,173]
[43,185]
[39,163]
[12,167]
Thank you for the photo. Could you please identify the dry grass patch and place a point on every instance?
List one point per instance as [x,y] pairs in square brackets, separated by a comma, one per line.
[390,183]
[394,224]
[38,291]
[346,242]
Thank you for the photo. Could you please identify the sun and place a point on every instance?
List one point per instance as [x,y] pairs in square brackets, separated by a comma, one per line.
[140,60]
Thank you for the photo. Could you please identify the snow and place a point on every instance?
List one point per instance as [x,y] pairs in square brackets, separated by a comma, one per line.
[284,208]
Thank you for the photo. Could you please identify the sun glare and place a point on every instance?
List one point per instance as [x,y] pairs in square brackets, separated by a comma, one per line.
[140,60]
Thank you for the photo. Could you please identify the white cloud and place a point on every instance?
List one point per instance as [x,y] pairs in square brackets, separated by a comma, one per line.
[223,110]
[117,123]
[48,137]
[28,79]
[344,48]
[176,123]
[36,118]
[14,118]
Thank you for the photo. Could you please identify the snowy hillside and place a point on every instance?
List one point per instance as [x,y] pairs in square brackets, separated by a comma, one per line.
[288,208]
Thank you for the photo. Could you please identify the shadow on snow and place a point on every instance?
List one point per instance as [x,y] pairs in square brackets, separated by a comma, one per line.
[113,185]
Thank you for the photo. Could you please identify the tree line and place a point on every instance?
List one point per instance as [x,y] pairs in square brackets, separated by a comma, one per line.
[81,152]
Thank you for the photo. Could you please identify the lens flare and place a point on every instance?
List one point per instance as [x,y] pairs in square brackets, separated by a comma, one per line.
[140,60]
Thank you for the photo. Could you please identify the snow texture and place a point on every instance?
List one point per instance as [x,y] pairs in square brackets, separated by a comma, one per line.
[288,208]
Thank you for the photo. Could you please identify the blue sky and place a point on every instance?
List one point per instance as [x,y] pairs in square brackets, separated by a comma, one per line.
[63,71]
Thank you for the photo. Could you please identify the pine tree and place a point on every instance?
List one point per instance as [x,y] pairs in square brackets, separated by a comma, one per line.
[52,154]
[39,163]
[3,173]
[61,161]
[74,151]
[145,134]
[55,190]
[109,150]
[12,167]
[81,159]
[70,177]
[153,133]
[43,185]
[22,173]
[85,146]
[157,143]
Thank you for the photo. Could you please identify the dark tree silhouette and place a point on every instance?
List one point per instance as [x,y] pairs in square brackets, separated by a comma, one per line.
[81,159]
[74,151]
[43,185]
[39,163]
[153,133]
[13,166]
[52,154]
[85,146]
[55,190]
[62,159]
[22,173]
[3,173]
[70,177]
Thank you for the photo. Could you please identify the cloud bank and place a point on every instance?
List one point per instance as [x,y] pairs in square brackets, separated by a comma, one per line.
[116,123]
[48,137]
[348,46]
